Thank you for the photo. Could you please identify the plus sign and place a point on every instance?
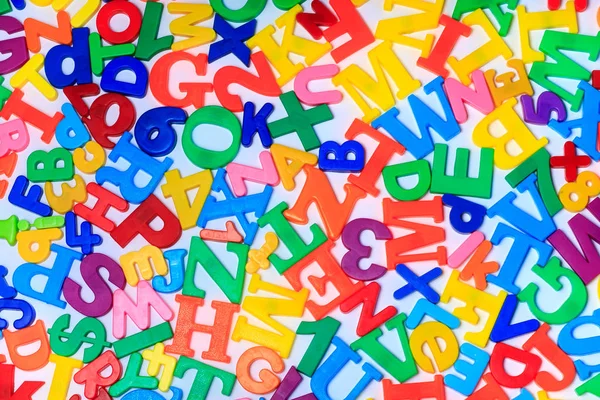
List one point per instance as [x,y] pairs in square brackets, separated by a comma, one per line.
[596,79]
[570,162]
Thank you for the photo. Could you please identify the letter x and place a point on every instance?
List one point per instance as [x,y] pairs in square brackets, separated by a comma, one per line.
[415,283]
[233,40]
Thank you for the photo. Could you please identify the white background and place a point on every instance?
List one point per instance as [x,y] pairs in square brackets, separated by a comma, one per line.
[370,207]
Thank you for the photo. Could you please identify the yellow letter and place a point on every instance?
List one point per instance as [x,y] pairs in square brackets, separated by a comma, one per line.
[262,308]
[70,195]
[396,29]
[278,54]
[429,333]
[97,161]
[63,374]
[494,47]
[185,26]
[516,132]
[510,87]
[534,21]
[354,80]
[83,14]
[177,188]
[288,171]
[157,358]
[41,240]
[141,258]
[473,299]
[30,72]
